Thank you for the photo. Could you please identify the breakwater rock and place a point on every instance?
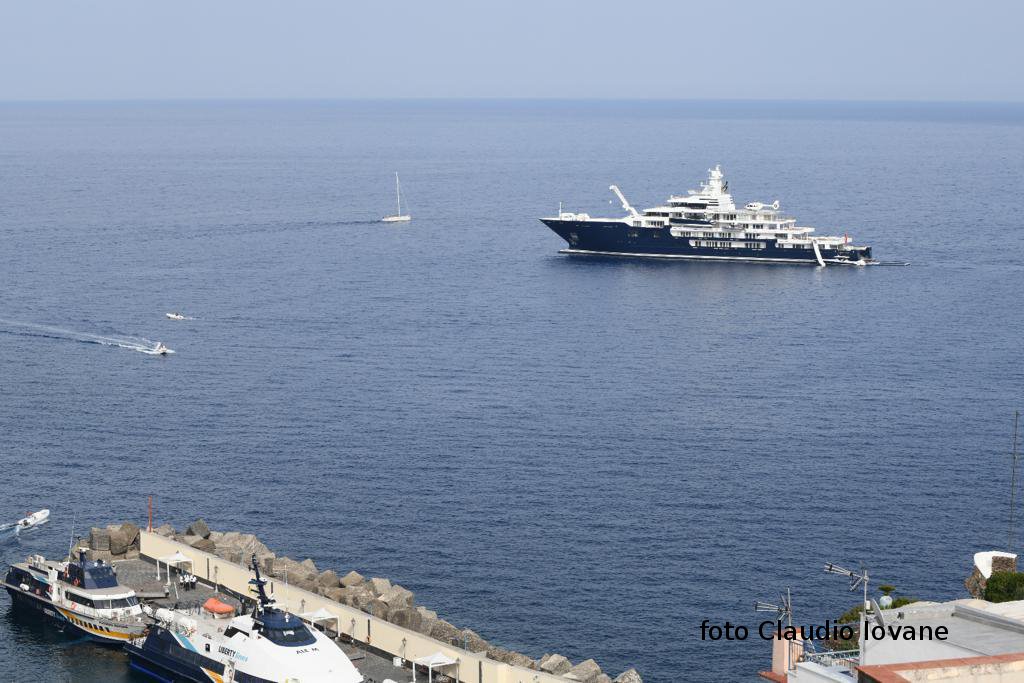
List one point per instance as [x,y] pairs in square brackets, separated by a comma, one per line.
[376,596]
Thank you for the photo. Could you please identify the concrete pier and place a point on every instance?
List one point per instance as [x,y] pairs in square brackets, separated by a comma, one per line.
[377,621]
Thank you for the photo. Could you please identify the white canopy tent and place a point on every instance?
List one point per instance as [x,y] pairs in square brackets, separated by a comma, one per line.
[323,615]
[172,560]
[438,660]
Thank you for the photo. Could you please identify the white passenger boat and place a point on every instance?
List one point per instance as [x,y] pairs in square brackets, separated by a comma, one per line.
[268,645]
[82,597]
[176,316]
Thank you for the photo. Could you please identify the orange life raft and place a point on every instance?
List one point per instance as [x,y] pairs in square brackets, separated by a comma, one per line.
[218,608]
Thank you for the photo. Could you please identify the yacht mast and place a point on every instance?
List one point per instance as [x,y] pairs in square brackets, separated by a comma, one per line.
[398,195]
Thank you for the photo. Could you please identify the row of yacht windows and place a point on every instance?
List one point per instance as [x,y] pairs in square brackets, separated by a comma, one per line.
[711,244]
[650,217]
[97,603]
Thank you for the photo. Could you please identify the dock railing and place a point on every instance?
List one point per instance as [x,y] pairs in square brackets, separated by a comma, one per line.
[473,667]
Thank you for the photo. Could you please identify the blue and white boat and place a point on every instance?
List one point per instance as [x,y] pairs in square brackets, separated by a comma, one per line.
[83,597]
[705,224]
[268,645]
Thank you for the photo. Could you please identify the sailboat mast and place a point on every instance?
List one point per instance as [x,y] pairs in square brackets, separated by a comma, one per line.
[398,195]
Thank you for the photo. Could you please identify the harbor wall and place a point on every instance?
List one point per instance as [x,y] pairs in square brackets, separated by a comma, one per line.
[397,641]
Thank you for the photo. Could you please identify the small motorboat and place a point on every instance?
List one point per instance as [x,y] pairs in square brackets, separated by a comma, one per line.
[34,519]
[161,349]
[176,316]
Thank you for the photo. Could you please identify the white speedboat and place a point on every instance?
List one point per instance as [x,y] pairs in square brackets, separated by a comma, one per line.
[161,350]
[268,645]
[397,217]
[35,519]
[176,316]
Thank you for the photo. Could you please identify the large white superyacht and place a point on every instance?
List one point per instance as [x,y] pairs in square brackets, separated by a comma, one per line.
[705,224]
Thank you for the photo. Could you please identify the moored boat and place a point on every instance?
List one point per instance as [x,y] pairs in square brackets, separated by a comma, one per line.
[268,645]
[81,596]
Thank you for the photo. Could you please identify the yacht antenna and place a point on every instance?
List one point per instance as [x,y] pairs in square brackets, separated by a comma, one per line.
[260,583]
[1013,480]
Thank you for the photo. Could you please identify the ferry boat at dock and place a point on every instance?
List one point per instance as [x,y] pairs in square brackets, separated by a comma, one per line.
[705,224]
[82,596]
[210,643]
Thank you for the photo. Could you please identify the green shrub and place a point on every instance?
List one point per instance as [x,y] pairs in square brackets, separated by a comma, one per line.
[1004,586]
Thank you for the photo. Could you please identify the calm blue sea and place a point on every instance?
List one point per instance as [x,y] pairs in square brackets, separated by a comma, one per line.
[584,456]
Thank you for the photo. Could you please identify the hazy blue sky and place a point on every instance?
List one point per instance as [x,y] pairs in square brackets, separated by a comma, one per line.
[858,49]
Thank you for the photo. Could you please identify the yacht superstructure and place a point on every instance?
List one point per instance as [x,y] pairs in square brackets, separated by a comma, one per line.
[705,224]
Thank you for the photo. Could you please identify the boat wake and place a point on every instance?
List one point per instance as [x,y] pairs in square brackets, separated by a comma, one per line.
[21,329]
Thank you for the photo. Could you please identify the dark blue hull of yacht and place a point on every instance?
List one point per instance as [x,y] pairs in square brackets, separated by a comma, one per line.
[620,239]
[161,657]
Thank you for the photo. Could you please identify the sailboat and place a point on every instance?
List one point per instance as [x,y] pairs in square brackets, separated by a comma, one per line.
[398,217]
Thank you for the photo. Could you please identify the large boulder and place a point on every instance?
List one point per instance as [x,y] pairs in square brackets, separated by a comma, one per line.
[603,678]
[396,596]
[189,539]
[118,541]
[378,585]
[586,671]
[472,641]
[310,566]
[99,539]
[336,594]
[304,581]
[94,555]
[376,608]
[131,531]
[353,578]
[427,620]
[555,664]
[247,544]
[328,579]
[446,632]
[283,566]
[629,676]
[198,528]
[406,617]
[356,596]
[519,659]
[165,530]
[498,653]
[205,544]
